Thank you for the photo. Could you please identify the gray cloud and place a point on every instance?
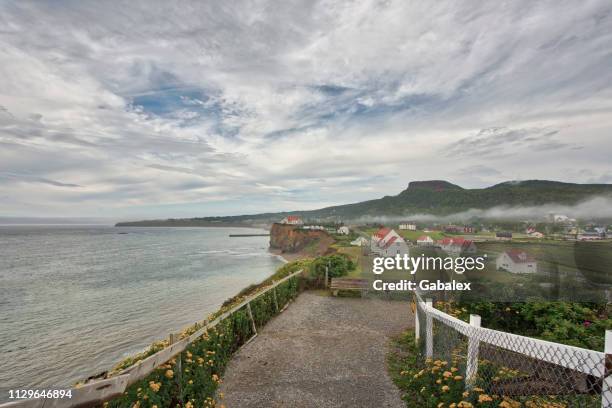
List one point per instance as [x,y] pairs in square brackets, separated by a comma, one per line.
[209,108]
[34,179]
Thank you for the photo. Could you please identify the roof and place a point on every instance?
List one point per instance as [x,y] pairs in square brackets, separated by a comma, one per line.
[452,241]
[381,233]
[389,242]
[292,218]
[459,241]
[424,238]
[520,256]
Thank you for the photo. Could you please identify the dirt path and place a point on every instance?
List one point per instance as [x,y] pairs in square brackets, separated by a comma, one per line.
[320,352]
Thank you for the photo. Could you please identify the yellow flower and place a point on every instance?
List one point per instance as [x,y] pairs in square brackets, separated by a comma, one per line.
[154,386]
[466,394]
[438,381]
[447,374]
[169,374]
[188,404]
[478,389]
[458,378]
[445,388]
[465,404]
[190,381]
[484,398]
[454,369]
[440,405]
[215,377]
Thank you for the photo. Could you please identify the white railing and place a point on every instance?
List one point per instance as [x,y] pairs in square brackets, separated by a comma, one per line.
[589,362]
[98,391]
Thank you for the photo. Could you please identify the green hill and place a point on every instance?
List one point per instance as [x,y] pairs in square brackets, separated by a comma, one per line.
[436,197]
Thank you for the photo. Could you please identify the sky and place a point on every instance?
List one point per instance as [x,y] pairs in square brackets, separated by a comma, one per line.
[156,109]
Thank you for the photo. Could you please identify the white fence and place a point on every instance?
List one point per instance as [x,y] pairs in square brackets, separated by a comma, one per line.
[551,368]
[98,391]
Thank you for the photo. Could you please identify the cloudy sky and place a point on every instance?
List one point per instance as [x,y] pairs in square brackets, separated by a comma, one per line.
[154,109]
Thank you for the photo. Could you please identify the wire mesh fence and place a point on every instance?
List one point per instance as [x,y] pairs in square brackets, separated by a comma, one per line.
[487,367]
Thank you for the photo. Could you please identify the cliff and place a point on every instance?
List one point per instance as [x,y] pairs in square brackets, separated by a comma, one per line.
[292,239]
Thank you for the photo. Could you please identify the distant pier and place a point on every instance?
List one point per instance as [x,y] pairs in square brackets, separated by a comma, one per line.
[248,235]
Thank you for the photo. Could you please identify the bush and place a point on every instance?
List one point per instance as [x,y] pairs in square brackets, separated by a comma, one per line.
[339,265]
[571,323]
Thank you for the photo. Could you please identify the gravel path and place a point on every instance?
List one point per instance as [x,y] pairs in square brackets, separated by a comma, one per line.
[321,352]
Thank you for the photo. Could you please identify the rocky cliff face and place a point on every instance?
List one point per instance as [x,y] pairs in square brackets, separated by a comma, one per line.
[290,239]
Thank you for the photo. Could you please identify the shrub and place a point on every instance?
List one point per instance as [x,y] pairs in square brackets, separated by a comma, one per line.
[571,323]
[339,265]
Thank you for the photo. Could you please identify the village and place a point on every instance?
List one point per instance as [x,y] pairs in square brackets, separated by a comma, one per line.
[512,247]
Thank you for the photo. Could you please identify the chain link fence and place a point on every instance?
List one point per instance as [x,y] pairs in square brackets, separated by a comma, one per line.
[508,370]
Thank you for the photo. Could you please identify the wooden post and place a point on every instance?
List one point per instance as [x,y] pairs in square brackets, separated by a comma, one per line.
[250,312]
[326,275]
[472,355]
[606,388]
[417,325]
[275,299]
[428,329]
[173,338]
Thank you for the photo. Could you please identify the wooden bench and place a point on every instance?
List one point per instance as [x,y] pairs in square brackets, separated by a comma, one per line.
[338,284]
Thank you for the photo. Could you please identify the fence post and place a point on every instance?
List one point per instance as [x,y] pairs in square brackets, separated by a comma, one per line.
[173,338]
[606,387]
[417,325]
[275,299]
[428,329]
[251,317]
[472,354]
[326,276]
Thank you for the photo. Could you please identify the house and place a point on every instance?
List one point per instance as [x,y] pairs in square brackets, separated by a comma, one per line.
[361,241]
[516,261]
[457,246]
[468,229]
[452,229]
[387,242]
[343,230]
[503,236]
[314,227]
[292,220]
[561,219]
[424,240]
[590,236]
[536,234]
[407,225]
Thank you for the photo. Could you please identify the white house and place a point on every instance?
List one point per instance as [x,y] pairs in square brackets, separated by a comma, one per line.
[292,220]
[360,241]
[387,242]
[457,246]
[343,230]
[424,240]
[517,261]
[407,225]
[536,234]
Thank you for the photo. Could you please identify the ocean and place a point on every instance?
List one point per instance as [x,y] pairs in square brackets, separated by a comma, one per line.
[75,300]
